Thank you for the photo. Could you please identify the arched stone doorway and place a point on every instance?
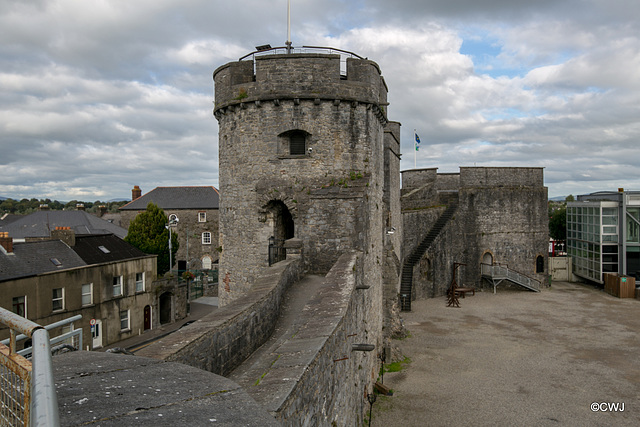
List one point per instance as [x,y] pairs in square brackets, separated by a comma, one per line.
[165,307]
[487,258]
[283,228]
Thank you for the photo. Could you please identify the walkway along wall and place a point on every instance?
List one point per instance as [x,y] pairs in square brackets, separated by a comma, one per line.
[222,340]
[317,379]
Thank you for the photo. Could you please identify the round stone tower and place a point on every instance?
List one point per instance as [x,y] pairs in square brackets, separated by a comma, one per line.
[301,149]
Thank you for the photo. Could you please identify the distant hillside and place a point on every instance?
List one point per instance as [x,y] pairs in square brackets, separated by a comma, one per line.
[558,199]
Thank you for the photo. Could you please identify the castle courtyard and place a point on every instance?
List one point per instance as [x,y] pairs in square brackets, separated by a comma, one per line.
[518,358]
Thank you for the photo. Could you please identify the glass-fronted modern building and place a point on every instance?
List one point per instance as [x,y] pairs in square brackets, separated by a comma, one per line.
[603,234]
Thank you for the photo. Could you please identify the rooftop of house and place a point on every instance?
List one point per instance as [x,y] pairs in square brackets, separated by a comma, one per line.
[33,258]
[177,198]
[40,257]
[39,224]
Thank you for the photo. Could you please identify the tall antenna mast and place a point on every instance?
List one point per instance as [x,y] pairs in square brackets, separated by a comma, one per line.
[288,42]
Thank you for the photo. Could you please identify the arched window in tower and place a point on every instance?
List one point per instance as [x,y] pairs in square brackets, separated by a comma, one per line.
[297,143]
[293,143]
[540,264]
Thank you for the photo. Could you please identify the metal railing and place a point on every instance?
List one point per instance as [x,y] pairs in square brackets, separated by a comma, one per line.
[498,273]
[72,338]
[280,50]
[27,390]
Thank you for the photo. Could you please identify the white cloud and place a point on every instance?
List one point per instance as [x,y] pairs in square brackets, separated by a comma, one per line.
[96,97]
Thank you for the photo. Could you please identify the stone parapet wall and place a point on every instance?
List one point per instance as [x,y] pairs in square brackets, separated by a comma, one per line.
[508,176]
[222,340]
[417,178]
[298,76]
[318,378]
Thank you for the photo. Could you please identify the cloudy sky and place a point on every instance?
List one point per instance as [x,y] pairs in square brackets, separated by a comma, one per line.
[98,96]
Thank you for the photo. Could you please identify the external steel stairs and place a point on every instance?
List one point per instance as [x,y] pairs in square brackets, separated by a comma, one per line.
[497,273]
[406,282]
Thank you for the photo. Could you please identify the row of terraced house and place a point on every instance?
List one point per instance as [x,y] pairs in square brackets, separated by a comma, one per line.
[57,264]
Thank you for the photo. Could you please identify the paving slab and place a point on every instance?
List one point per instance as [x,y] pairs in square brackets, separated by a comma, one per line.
[116,389]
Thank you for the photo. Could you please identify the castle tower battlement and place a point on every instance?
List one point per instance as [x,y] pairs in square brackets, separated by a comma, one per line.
[302,156]
[296,77]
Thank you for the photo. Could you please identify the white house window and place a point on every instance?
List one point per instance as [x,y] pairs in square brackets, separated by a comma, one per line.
[87,294]
[117,286]
[206,238]
[57,299]
[124,320]
[202,217]
[140,282]
[20,306]
[206,263]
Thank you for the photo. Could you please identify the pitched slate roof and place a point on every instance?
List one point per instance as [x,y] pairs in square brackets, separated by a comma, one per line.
[89,248]
[177,198]
[32,258]
[40,224]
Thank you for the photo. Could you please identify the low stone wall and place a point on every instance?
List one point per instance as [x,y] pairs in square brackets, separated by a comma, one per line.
[222,340]
[318,379]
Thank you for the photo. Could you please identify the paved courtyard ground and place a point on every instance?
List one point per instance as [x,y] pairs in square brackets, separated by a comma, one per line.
[518,358]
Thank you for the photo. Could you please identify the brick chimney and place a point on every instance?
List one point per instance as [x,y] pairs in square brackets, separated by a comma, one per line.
[6,242]
[136,193]
[66,234]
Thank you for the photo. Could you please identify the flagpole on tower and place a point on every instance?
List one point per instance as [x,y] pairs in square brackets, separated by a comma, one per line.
[288,42]
[416,148]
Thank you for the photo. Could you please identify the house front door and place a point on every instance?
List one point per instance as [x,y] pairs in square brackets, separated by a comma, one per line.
[96,334]
[147,317]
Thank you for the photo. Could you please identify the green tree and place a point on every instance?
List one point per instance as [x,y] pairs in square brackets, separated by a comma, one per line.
[570,198]
[148,233]
[558,224]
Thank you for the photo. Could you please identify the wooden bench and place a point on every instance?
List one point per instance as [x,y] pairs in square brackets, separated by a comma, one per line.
[463,291]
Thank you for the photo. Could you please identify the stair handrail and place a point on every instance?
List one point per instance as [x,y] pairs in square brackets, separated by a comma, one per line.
[510,274]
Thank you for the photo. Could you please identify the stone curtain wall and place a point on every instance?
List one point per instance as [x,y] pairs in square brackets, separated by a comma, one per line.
[222,340]
[331,388]
[502,211]
[343,120]
[317,378]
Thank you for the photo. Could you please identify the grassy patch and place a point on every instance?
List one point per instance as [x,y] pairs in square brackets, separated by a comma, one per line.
[397,366]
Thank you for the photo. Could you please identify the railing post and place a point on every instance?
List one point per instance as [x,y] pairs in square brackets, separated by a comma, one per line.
[44,402]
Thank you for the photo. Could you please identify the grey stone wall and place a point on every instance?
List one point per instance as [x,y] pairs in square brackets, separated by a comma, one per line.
[222,340]
[502,216]
[318,379]
[334,192]
[331,383]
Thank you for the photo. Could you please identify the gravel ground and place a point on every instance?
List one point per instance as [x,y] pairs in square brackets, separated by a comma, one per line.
[518,358]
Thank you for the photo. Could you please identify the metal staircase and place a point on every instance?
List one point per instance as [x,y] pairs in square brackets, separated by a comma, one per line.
[497,273]
[406,282]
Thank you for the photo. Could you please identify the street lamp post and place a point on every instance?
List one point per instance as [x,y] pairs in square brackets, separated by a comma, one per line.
[173,220]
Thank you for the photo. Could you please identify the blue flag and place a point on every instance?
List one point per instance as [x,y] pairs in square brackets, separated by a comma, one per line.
[417,139]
